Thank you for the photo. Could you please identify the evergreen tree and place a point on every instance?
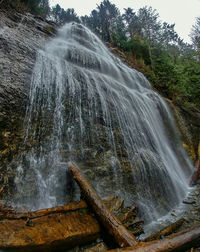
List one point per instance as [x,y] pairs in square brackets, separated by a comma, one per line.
[93,21]
[44,8]
[132,23]
[70,15]
[56,12]
[38,7]
[149,23]
[108,16]
[195,34]
[167,34]
[61,16]
[106,21]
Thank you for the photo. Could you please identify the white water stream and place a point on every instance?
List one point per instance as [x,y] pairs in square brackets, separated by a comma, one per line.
[80,92]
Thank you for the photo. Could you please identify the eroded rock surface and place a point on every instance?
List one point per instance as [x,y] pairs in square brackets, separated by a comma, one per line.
[20,38]
[188,122]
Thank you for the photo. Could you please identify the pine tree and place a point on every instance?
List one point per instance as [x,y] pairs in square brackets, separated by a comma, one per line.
[195,34]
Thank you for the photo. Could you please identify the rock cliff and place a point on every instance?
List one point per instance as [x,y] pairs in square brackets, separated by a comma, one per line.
[188,122]
[21,35]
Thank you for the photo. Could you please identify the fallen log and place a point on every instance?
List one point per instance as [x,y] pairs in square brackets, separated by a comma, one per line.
[71,206]
[52,230]
[165,231]
[180,241]
[114,226]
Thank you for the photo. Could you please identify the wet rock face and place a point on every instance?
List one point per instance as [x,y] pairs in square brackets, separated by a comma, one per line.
[20,38]
[21,35]
[188,122]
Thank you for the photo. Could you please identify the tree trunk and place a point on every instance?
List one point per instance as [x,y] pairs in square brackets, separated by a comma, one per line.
[165,231]
[150,56]
[181,241]
[115,228]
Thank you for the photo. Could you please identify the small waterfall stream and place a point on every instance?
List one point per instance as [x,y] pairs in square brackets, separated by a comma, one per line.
[89,107]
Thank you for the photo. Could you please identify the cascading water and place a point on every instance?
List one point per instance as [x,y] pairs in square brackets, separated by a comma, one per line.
[89,107]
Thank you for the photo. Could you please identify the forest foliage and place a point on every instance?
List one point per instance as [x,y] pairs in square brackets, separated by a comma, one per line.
[149,45]
[36,7]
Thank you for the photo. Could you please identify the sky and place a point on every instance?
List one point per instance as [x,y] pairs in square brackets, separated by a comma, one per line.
[180,12]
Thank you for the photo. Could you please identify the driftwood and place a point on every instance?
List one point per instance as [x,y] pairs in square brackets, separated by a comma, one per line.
[71,206]
[48,229]
[166,231]
[196,174]
[114,226]
[181,241]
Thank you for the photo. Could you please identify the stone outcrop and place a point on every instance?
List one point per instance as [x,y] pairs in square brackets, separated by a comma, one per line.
[188,122]
[21,35]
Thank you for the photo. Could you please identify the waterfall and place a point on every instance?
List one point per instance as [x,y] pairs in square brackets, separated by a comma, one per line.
[87,106]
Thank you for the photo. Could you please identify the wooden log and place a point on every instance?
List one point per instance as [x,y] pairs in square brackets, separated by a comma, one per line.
[71,206]
[181,241]
[52,232]
[165,231]
[196,174]
[114,226]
